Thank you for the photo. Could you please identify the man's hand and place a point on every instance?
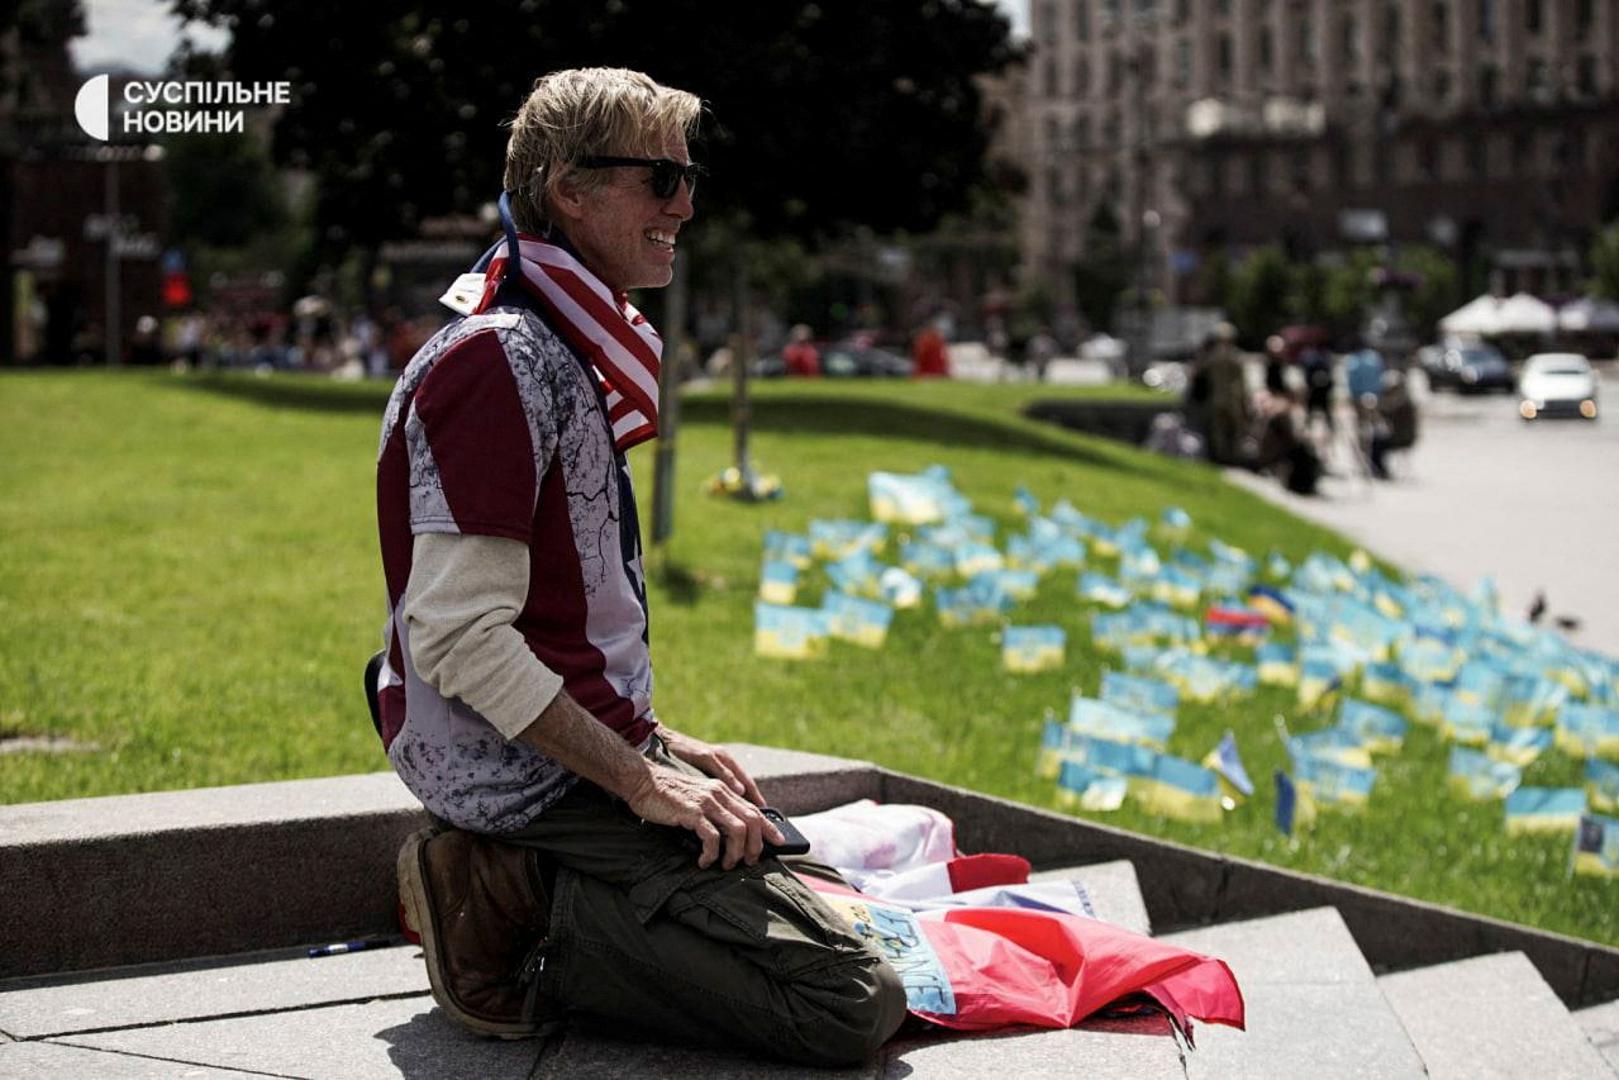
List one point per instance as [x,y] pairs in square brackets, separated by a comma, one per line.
[715,761]
[717,814]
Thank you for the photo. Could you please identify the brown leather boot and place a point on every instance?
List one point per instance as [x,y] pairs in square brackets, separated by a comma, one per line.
[482,912]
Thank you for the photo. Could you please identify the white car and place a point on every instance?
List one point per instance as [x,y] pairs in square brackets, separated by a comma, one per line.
[1557,384]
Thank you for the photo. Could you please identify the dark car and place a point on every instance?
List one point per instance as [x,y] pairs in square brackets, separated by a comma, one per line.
[1470,369]
[845,360]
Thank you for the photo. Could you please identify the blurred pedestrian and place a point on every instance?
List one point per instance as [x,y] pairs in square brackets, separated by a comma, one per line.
[929,357]
[1196,403]
[1394,423]
[1228,399]
[1318,386]
[800,356]
[1042,348]
[1276,366]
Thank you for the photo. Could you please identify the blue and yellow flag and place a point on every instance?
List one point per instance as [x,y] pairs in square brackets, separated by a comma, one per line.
[1584,730]
[1519,745]
[1295,808]
[852,618]
[1033,648]
[1179,789]
[1277,663]
[1108,721]
[1139,694]
[1380,730]
[927,560]
[1544,809]
[778,582]
[1227,765]
[1473,774]
[1596,846]
[1101,589]
[1385,684]
[788,548]
[839,538]
[1602,785]
[1089,789]
[789,633]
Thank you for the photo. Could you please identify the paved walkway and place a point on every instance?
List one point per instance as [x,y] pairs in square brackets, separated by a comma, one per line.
[1536,506]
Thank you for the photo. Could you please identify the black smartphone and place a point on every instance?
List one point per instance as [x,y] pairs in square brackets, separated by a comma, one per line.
[794,841]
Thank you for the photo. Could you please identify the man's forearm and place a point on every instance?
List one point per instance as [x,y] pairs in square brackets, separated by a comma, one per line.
[567,733]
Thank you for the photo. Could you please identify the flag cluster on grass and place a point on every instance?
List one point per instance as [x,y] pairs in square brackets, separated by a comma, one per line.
[1365,656]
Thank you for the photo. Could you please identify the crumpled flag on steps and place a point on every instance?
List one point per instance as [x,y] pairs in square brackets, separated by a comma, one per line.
[1008,952]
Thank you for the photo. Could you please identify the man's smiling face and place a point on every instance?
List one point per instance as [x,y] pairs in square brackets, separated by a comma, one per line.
[624,233]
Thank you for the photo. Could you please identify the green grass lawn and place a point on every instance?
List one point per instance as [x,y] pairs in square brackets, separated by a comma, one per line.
[189,579]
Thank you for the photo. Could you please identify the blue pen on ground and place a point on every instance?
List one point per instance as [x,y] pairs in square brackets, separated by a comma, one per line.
[340,947]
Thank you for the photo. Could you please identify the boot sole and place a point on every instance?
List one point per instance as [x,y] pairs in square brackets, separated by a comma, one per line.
[413,894]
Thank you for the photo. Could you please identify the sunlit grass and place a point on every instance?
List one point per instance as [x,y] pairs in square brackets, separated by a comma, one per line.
[189,580]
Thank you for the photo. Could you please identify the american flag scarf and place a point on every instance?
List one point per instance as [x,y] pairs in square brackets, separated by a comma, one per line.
[598,324]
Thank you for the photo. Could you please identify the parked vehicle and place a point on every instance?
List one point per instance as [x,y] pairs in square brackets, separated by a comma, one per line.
[1470,369]
[1557,384]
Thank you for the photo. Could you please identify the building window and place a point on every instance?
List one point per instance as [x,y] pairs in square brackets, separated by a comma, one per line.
[1082,131]
[1115,72]
[1533,16]
[1571,149]
[1441,25]
[1050,79]
[1059,191]
[1223,59]
[1082,77]
[1183,62]
[1256,174]
[1082,19]
[1478,159]
[1523,154]
[1267,50]
[1537,80]
[1147,9]
[1428,160]
[1391,27]
[1045,21]
[1351,41]
[1301,171]
[1441,86]
[1585,16]
[1586,75]
[1489,89]
[1053,134]
[1111,12]
[1307,51]
[1486,20]
[1223,7]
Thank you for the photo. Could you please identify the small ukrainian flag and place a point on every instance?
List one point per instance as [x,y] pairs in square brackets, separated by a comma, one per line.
[778,582]
[1544,810]
[1596,846]
[1032,648]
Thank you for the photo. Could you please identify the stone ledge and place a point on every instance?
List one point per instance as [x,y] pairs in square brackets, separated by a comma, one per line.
[130,879]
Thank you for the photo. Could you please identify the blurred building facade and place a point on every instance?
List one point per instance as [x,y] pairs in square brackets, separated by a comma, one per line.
[1488,128]
[81,222]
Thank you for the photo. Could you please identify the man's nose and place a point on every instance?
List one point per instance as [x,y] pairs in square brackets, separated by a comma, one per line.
[679,204]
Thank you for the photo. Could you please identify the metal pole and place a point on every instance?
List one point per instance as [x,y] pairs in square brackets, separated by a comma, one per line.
[669,377]
[741,360]
[1139,358]
[112,319]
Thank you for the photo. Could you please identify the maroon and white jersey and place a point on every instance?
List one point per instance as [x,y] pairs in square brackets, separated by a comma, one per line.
[497,429]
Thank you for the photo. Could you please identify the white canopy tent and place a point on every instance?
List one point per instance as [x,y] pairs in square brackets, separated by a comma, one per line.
[1589,316]
[1525,314]
[1477,316]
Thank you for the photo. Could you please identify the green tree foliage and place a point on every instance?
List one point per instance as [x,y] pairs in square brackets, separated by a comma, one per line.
[1435,294]
[1259,295]
[223,191]
[823,114]
[1605,263]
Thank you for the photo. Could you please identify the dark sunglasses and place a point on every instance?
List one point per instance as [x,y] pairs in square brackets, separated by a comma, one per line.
[666,173]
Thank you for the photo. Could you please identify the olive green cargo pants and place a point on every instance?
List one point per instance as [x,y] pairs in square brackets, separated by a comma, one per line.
[643,942]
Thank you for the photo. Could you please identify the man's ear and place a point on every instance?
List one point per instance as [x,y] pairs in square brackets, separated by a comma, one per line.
[566,198]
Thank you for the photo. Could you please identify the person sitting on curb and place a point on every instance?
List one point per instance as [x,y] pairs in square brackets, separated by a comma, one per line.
[589,863]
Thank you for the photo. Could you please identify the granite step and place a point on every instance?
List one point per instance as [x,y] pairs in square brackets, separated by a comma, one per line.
[1601,1026]
[1314,1007]
[1112,888]
[1491,1016]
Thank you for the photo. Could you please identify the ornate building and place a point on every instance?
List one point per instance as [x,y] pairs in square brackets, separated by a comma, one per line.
[1486,127]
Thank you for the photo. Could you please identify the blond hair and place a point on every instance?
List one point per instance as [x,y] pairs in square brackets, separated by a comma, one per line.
[583,111]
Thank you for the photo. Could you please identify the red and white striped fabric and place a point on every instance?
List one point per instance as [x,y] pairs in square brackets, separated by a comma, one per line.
[598,324]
